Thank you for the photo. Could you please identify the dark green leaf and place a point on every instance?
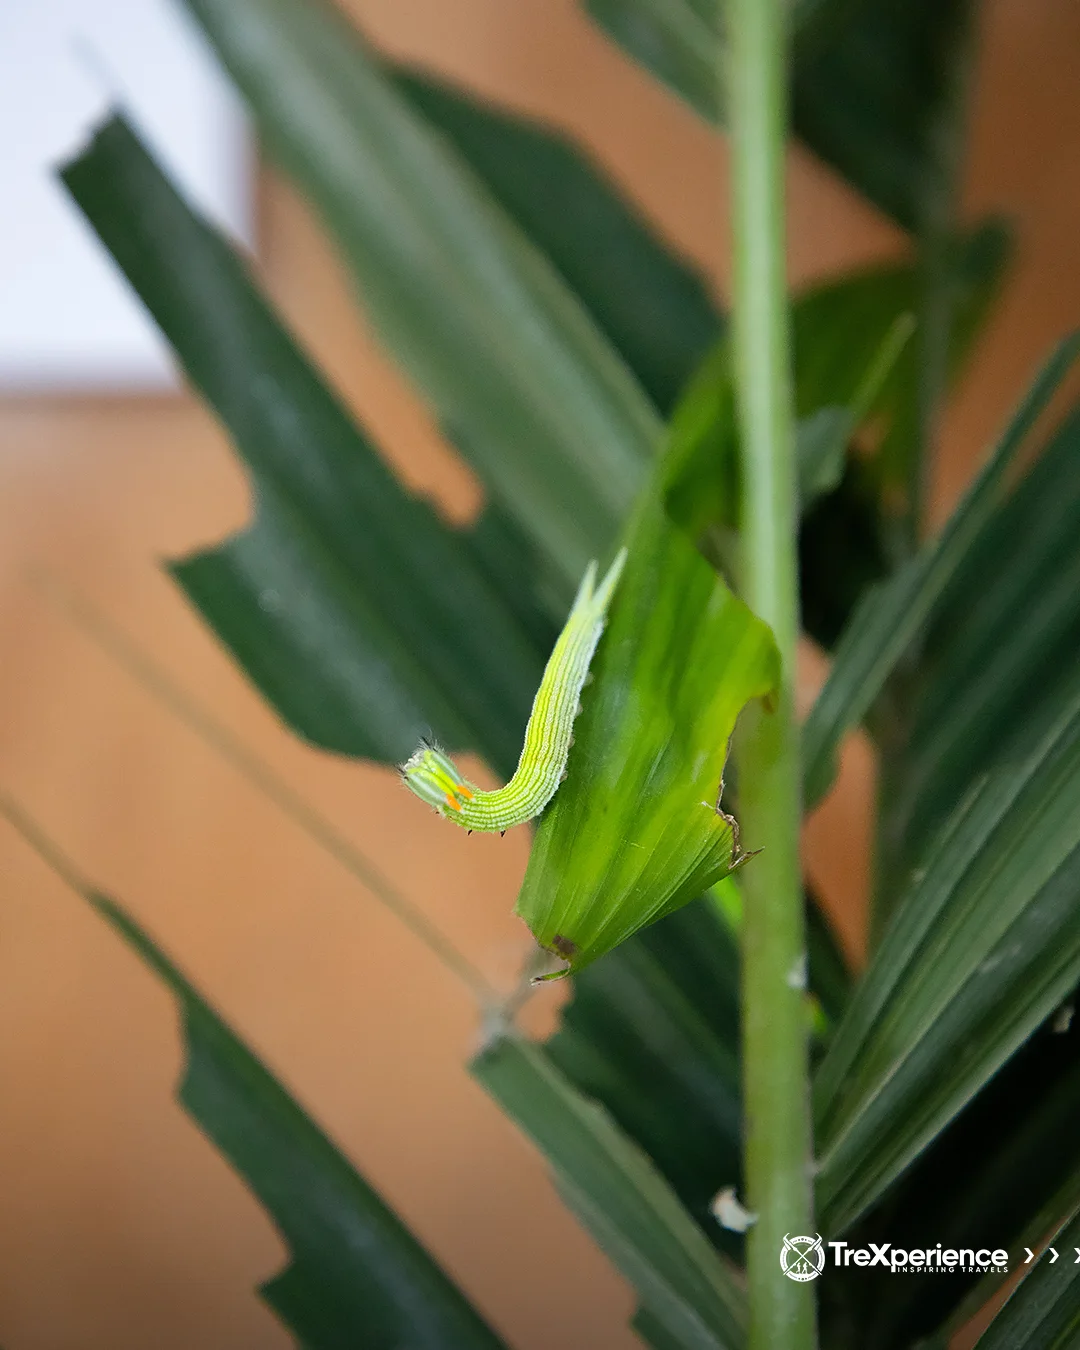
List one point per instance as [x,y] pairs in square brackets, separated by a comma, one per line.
[866,314]
[365,620]
[635,831]
[514,368]
[679,41]
[841,554]
[829,977]
[1043,1311]
[357,1276]
[857,313]
[687,1288]
[891,616]
[874,89]
[821,441]
[1065,1201]
[843,544]
[1006,635]
[518,572]
[1001,1174]
[955,282]
[654,307]
[652,1033]
[653,1331]
[702,490]
[873,80]
[983,947]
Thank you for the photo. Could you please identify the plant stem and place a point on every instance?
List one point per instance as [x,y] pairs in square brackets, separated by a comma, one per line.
[775,1051]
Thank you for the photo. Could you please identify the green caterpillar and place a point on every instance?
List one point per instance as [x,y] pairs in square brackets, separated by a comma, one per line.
[436,779]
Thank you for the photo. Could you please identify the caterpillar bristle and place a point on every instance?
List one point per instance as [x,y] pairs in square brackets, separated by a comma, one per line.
[433,776]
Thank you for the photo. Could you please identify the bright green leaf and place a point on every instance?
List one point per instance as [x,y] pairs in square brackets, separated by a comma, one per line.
[832,399]
[869,313]
[687,1288]
[635,831]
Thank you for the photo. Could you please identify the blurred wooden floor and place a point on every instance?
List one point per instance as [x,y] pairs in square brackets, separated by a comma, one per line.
[122,1228]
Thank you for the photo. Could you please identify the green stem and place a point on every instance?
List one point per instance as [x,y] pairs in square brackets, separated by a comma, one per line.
[775,1051]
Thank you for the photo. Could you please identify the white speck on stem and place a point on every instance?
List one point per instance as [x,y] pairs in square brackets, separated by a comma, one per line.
[729,1214]
[797,975]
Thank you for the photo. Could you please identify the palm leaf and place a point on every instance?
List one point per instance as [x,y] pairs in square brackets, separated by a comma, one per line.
[635,831]
[892,615]
[1001,643]
[364,619]
[356,1275]
[687,1288]
[982,948]
[652,1033]
[514,368]
[1043,1311]
[653,306]
[872,80]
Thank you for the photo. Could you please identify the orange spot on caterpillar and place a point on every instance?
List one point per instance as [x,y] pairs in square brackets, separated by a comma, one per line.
[463,791]
[452,802]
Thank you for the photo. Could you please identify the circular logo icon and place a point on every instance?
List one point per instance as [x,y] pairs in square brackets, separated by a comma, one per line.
[802,1258]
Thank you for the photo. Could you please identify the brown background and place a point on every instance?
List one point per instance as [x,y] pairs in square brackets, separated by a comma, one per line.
[121,1227]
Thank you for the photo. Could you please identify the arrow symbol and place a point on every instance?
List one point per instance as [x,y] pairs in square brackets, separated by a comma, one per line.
[1055,1255]
[1077,1251]
[1031,1256]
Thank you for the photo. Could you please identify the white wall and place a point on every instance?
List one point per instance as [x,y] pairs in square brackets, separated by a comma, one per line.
[67,320]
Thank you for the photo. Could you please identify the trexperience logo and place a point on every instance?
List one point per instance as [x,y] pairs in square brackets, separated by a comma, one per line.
[802,1258]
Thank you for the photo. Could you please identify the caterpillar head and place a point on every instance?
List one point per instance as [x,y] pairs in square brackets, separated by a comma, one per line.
[435,779]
